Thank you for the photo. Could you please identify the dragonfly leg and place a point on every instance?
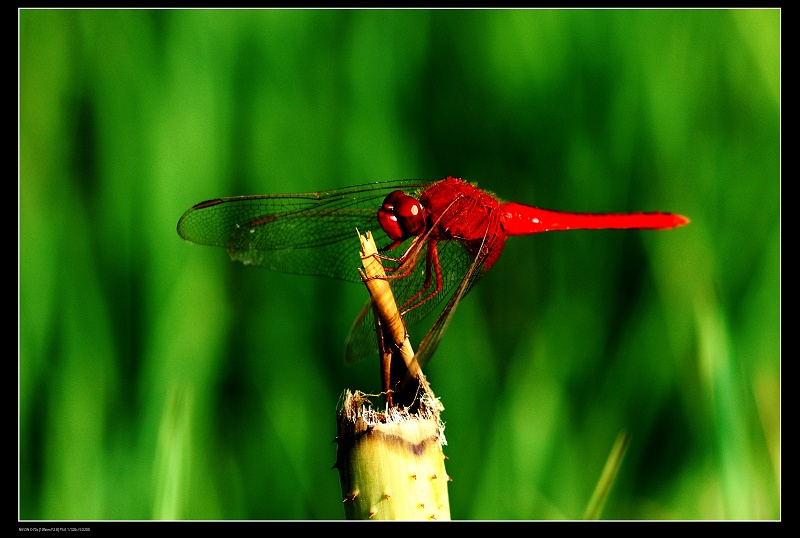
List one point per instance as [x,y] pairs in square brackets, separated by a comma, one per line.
[405,263]
[410,253]
[431,261]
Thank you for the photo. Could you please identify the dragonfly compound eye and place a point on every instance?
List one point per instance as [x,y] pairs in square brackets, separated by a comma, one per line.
[411,215]
[401,216]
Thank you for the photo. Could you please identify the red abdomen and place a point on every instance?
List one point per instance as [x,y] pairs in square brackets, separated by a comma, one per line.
[521,219]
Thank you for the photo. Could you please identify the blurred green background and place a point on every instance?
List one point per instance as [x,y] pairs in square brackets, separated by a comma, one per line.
[157,379]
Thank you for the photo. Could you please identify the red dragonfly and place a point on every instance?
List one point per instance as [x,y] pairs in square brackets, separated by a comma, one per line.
[447,234]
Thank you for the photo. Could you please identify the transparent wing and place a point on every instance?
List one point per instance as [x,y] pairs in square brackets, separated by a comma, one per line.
[431,340]
[310,233]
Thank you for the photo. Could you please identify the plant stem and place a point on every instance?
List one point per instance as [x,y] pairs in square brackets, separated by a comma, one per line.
[391,463]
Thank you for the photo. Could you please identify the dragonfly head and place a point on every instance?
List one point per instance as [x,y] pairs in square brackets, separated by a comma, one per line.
[401,216]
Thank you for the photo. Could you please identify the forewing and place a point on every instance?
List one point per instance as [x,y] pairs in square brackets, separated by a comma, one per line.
[308,233]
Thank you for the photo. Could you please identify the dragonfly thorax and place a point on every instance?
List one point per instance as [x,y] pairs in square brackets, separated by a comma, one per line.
[401,216]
